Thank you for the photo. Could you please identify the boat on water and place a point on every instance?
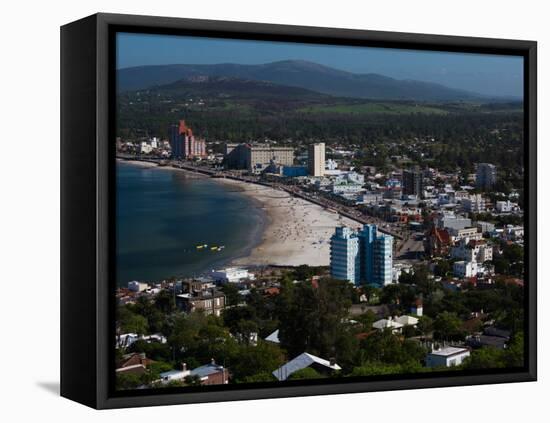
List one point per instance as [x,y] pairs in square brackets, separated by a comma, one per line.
[201,246]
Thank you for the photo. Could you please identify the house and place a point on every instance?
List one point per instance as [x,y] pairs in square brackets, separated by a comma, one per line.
[135,363]
[127,339]
[407,320]
[209,301]
[491,337]
[301,362]
[211,374]
[175,375]
[388,323]
[447,357]
[273,337]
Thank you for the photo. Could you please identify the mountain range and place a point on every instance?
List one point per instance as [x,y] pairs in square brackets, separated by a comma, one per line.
[295,73]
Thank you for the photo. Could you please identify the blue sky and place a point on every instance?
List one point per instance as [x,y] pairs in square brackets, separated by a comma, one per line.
[481,73]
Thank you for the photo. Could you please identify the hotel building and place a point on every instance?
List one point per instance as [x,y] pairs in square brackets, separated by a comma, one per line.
[184,144]
[316,159]
[256,158]
[361,257]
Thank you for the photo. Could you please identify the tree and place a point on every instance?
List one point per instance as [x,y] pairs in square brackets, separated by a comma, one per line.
[231,292]
[313,319]
[485,358]
[447,326]
[130,322]
[251,360]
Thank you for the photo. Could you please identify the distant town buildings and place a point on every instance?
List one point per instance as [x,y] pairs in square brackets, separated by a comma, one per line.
[256,158]
[184,144]
[362,256]
[316,159]
[486,175]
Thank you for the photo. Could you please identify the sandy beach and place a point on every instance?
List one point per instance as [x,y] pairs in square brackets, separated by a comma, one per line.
[298,231]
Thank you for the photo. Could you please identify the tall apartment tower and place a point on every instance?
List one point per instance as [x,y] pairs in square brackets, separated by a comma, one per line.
[184,144]
[361,257]
[316,159]
[412,182]
[344,255]
[486,175]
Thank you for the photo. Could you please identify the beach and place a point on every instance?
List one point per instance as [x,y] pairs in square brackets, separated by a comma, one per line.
[297,232]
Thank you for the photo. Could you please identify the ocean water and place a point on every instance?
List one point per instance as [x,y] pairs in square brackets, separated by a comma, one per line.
[163,214]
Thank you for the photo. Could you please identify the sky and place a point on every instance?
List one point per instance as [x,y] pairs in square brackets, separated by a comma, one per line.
[493,75]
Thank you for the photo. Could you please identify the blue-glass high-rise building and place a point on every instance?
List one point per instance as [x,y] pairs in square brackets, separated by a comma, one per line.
[344,255]
[361,257]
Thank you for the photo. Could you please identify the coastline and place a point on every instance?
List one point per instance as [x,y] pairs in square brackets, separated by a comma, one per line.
[293,231]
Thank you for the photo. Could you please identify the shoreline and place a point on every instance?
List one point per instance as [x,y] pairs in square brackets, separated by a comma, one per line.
[293,231]
[297,232]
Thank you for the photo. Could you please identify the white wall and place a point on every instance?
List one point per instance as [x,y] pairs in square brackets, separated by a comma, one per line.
[30,212]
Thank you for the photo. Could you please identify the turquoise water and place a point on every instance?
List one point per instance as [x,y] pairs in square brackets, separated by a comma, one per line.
[163,214]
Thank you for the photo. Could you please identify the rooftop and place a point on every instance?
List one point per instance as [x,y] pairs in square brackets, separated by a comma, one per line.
[449,351]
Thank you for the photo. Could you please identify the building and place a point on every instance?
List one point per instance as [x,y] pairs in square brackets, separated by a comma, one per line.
[485,227]
[376,256]
[453,221]
[303,361]
[438,242]
[231,274]
[344,255]
[474,204]
[136,286]
[470,233]
[362,256]
[413,182]
[486,175]
[388,324]
[133,363]
[183,143]
[256,158]
[175,375]
[506,206]
[209,301]
[211,374]
[316,159]
[447,357]
[472,250]
[465,269]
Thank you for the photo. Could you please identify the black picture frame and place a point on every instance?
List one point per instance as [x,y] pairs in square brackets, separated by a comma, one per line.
[87,204]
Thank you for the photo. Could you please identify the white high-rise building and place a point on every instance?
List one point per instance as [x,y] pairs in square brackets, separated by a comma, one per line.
[344,255]
[316,159]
